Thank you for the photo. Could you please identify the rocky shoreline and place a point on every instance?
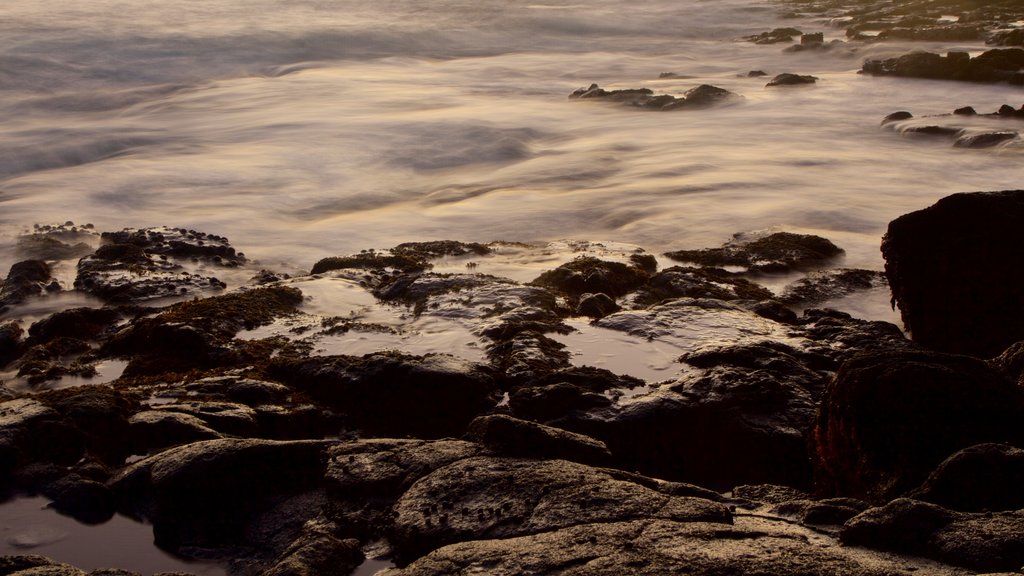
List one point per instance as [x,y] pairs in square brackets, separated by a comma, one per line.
[788,444]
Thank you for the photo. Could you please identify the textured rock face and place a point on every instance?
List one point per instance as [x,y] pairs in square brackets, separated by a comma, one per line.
[955,270]
[889,418]
[653,547]
[978,478]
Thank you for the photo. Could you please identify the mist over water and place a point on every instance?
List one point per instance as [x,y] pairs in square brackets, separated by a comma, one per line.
[313,128]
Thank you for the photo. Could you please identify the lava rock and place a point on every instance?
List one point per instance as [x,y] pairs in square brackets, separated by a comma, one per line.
[952,271]
[155,429]
[487,497]
[985,139]
[394,394]
[547,403]
[510,436]
[789,79]
[889,418]
[775,36]
[208,493]
[977,478]
[778,252]
[686,281]
[25,279]
[702,96]
[588,275]
[997,65]
[822,285]
[318,552]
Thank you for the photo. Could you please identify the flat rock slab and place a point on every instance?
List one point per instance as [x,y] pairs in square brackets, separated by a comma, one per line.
[658,547]
[487,497]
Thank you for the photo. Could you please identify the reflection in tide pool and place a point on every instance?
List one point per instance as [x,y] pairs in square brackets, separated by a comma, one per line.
[27,526]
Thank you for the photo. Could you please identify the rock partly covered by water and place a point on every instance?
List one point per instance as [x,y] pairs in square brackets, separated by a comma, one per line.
[702,96]
[965,126]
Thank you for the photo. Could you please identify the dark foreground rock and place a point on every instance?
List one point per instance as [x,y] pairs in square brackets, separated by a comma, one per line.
[989,542]
[975,479]
[652,547]
[889,418]
[955,274]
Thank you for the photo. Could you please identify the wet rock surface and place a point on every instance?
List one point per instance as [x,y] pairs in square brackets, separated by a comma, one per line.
[965,127]
[996,65]
[244,430]
[702,96]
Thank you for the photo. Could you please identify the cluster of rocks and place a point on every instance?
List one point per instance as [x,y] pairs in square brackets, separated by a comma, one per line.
[996,65]
[783,438]
[962,126]
[924,20]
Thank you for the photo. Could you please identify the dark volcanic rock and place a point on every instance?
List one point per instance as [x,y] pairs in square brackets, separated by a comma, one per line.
[685,281]
[225,417]
[700,97]
[101,414]
[822,285]
[978,478]
[318,552]
[430,396]
[591,275]
[596,305]
[775,36]
[10,341]
[889,418]
[30,432]
[988,542]
[207,493]
[955,274]
[778,252]
[510,436]
[25,279]
[997,65]
[156,429]
[651,548]
[85,500]
[484,497]
[546,403]
[81,323]
[788,79]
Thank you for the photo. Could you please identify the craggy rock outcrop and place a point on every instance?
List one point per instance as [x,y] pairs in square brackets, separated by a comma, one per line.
[953,274]
[11,343]
[591,275]
[390,394]
[989,542]
[140,265]
[652,547]
[997,65]
[778,252]
[480,498]
[889,418]
[978,478]
[702,96]
[198,333]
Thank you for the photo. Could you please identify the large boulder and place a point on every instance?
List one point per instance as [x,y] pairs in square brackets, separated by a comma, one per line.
[889,418]
[956,269]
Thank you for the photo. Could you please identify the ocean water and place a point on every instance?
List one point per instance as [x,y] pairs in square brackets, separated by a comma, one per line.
[311,128]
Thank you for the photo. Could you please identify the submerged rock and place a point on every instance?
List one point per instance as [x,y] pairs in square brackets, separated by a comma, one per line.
[822,285]
[587,274]
[954,273]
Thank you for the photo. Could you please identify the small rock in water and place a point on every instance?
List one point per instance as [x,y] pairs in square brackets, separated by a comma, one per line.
[788,79]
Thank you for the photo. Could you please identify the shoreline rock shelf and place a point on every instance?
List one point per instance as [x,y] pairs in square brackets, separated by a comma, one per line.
[782,437]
